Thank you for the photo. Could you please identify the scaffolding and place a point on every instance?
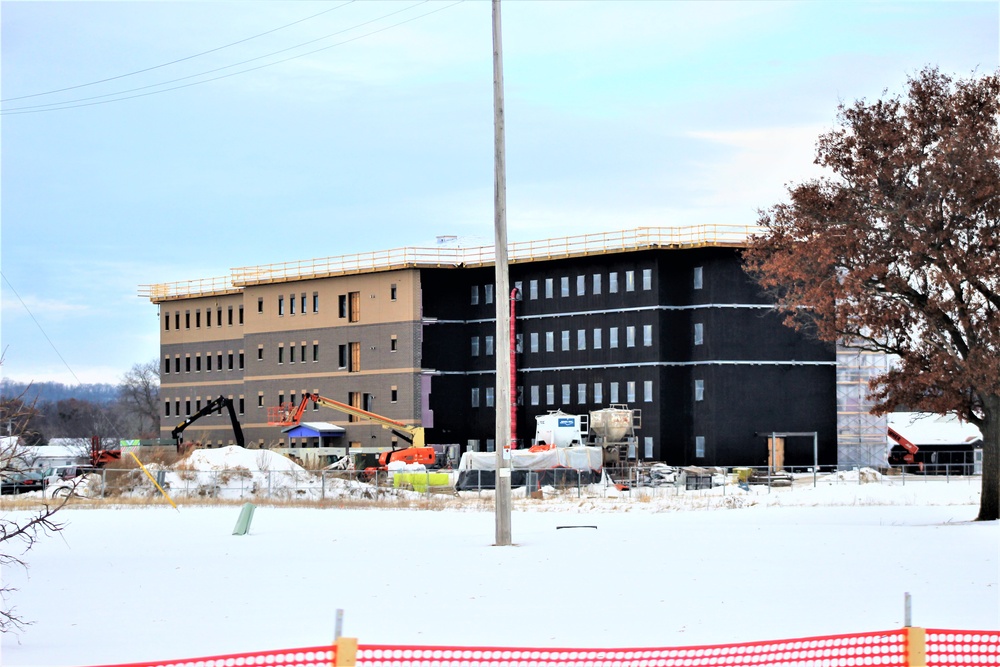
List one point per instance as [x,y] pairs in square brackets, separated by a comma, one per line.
[861,436]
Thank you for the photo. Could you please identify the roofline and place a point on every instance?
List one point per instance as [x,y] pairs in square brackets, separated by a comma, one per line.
[602,243]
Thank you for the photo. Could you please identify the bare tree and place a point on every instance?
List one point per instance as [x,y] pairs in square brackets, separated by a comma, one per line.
[20,532]
[139,395]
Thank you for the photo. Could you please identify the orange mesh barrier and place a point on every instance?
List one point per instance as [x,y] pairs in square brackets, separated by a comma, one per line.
[961,648]
[316,656]
[944,648]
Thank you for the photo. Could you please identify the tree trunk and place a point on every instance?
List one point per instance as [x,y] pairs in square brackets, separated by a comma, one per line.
[989,501]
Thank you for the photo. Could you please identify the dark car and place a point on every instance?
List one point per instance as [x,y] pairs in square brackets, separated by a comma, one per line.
[21,482]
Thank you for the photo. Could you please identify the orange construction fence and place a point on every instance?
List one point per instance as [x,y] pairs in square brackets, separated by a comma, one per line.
[904,647]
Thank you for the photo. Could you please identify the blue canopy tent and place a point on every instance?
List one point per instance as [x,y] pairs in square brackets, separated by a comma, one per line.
[327,434]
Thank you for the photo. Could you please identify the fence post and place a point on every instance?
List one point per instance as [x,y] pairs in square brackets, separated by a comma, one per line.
[915,647]
[345,652]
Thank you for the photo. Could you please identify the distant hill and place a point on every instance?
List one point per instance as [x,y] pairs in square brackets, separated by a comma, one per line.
[45,392]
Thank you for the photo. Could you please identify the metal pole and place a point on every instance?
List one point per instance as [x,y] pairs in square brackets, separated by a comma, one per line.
[770,463]
[907,612]
[815,456]
[502,403]
[338,628]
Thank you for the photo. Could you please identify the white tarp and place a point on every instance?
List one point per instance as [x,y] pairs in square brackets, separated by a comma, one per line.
[579,458]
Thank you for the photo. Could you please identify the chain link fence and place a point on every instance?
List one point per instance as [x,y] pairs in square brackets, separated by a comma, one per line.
[638,482]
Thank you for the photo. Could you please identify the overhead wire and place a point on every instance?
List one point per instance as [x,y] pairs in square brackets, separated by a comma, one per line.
[85,102]
[40,328]
[179,60]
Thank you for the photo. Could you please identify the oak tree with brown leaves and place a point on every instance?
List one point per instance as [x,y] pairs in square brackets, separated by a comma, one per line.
[898,250]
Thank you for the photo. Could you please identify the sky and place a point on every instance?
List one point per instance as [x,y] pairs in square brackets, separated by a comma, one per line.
[125,584]
[150,142]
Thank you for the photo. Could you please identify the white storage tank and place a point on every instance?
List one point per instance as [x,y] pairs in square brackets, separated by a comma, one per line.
[560,429]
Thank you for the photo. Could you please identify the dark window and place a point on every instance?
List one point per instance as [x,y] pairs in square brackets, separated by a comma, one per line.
[392,291]
[241,405]
[315,302]
[281,306]
[315,351]
[187,407]
[342,356]
[342,305]
[208,361]
[281,354]
[260,304]
[303,302]
[241,360]
[187,364]
[208,317]
[230,361]
[177,364]
[219,357]
[230,316]
[166,322]
[177,319]
[197,364]
[291,304]
[241,315]
[187,319]
[260,354]
[166,408]
[166,365]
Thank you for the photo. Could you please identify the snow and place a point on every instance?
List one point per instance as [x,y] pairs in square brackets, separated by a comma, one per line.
[665,567]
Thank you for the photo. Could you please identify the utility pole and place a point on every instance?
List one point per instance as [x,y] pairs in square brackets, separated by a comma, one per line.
[502,402]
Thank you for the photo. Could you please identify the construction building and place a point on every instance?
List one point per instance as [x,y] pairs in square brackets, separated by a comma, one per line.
[660,319]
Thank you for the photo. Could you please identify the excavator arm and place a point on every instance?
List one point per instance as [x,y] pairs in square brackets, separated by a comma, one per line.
[910,448]
[210,407]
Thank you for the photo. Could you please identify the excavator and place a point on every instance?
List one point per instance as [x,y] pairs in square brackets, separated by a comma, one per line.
[209,408]
[897,457]
[416,452]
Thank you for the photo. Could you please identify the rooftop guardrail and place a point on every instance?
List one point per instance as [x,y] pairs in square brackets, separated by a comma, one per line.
[453,256]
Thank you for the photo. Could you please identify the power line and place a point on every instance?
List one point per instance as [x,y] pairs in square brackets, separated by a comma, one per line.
[85,102]
[112,426]
[179,60]
[37,324]
[72,104]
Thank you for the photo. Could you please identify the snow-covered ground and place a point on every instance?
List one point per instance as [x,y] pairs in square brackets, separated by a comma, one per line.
[672,569]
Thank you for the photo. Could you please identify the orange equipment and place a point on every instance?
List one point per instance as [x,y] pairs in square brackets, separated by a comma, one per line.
[417,452]
[896,458]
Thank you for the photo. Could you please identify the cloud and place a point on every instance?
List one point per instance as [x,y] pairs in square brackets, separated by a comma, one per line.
[37,306]
[756,165]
